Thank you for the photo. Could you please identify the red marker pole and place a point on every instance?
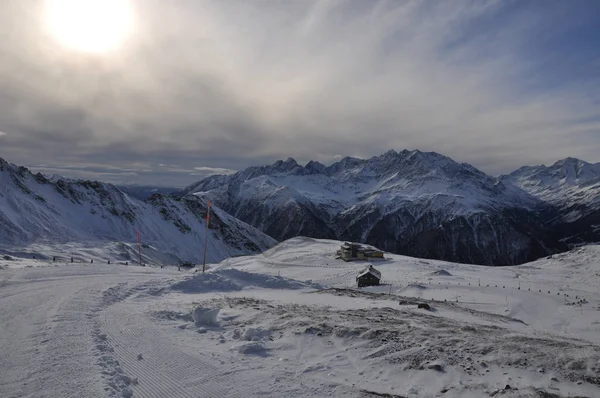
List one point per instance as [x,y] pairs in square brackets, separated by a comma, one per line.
[140,246]
[206,237]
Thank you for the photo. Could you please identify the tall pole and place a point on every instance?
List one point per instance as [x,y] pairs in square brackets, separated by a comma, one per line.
[139,246]
[206,237]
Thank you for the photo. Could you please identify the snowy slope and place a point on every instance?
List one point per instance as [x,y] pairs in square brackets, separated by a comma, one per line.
[144,192]
[37,212]
[290,323]
[566,183]
[533,327]
[415,203]
[573,187]
[511,291]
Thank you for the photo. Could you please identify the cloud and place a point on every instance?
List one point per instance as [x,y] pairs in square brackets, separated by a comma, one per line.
[208,171]
[2,134]
[171,177]
[231,84]
[135,173]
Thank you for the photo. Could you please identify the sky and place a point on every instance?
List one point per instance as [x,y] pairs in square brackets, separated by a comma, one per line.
[198,87]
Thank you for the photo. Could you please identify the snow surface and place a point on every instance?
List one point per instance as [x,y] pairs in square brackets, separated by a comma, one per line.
[291,323]
[88,220]
[568,182]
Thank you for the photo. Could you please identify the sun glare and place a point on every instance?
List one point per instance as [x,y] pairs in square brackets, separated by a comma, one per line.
[92,26]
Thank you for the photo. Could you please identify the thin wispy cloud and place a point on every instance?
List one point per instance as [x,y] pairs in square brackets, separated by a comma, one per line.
[230,84]
[167,176]
[208,171]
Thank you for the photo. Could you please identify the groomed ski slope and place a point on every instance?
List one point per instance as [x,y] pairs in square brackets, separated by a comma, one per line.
[290,323]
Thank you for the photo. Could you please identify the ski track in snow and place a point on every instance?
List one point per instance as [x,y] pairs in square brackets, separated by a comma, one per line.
[70,336]
[161,369]
[47,332]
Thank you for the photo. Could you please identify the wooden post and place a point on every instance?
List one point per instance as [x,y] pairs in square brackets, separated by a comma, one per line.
[206,237]
[139,246]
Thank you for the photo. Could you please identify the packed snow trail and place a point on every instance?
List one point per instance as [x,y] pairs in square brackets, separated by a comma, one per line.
[162,369]
[64,332]
[46,334]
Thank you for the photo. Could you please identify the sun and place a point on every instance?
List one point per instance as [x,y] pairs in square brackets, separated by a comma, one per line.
[90,26]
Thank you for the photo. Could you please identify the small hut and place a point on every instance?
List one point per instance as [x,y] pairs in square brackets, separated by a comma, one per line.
[349,251]
[368,277]
[353,251]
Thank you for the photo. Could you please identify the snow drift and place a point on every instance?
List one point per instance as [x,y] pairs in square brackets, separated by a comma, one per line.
[226,280]
[205,316]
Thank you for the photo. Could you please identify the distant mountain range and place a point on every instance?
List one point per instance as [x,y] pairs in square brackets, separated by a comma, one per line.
[420,204]
[143,192]
[36,209]
[572,188]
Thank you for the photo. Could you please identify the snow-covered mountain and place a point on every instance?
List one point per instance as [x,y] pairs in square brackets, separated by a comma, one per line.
[411,202]
[144,192]
[567,182]
[34,210]
[573,187]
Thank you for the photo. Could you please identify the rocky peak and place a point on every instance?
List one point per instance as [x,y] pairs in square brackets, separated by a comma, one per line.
[290,166]
[391,154]
[344,164]
[314,167]
[7,166]
[570,162]
[288,162]
[565,172]
[576,170]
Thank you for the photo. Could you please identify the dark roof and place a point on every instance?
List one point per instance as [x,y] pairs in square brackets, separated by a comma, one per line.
[369,270]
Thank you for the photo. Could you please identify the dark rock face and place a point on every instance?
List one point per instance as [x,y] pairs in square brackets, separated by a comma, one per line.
[512,236]
[287,222]
[584,229]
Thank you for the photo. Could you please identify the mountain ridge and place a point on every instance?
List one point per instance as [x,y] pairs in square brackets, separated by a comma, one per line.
[35,209]
[416,203]
[405,202]
[570,185]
